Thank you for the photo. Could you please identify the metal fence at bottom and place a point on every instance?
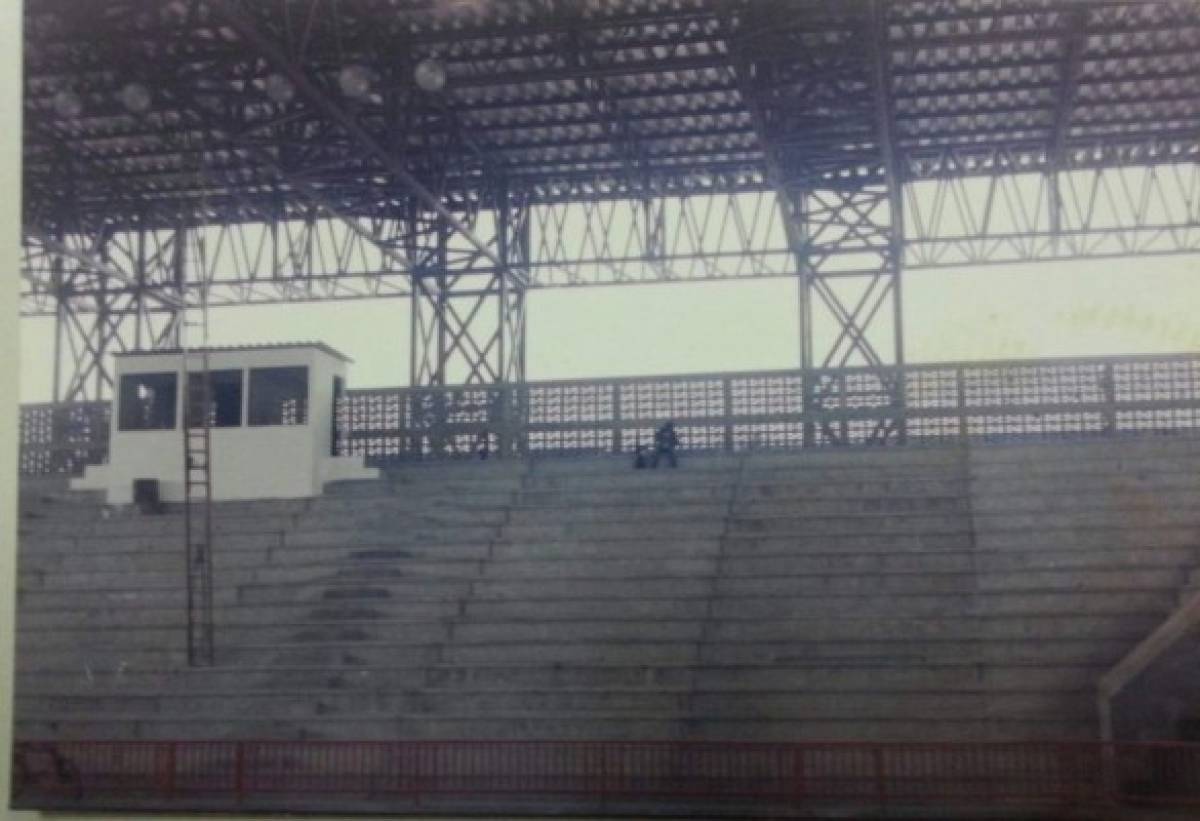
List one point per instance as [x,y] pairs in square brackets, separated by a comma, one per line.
[283,773]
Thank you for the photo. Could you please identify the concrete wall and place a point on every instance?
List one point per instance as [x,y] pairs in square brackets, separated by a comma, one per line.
[260,462]
[916,593]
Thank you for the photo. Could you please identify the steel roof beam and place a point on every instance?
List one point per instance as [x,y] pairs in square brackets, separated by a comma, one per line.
[96,265]
[1074,45]
[879,47]
[319,99]
[307,190]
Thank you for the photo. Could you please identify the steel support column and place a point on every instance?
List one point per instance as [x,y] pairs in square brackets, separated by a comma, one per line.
[105,303]
[469,327]
[849,301]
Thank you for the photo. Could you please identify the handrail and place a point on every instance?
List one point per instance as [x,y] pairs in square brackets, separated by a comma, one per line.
[1177,626]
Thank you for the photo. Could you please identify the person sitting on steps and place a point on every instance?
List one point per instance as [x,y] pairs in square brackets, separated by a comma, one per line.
[665,443]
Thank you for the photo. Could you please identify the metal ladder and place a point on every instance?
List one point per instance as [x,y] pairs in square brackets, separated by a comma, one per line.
[197,510]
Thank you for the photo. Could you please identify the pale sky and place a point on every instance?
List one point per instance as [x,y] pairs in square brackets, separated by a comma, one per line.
[1139,305]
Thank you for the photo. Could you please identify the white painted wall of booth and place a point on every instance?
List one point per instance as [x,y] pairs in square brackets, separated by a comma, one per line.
[248,462]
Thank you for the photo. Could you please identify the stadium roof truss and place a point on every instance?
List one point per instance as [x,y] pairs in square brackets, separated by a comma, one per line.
[286,150]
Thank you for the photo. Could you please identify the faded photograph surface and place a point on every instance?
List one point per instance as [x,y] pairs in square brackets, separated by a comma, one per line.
[351,481]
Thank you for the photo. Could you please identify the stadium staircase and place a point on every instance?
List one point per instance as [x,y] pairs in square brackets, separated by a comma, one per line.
[920,593]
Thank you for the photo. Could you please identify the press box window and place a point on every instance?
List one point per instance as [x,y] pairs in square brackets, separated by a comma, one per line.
[148,401]
[224,399]
[279,396]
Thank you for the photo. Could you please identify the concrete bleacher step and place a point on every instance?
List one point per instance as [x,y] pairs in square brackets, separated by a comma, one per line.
[850,524]
[647,514]
[986,462]
[854,505]
[166,524]
[231,614]
[825,484]
[793,487]
[851,628]
[354,591]
[504,550]
[93,544]
[232,557]
[735,563]
[172,560]
[742,558]
[85,598]
[963,604]
[581,727]
[1130,557]
[393,536]
[1008,489]
[748,679]
[999,651]
[568,566]
[382,519]
[462,482]
[800,542]
[1083,579]
[676,705]
[1073,500]
[917,593]
[694,607]
[1086,537]
[833,584]
[647,653]
[653,479]
[586,726]
[283,573]
[666,528]
[409,505]
[1115,518]
[764,461]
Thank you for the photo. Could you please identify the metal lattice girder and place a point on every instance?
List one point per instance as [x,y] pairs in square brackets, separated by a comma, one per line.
[101,298]
[848,267]
[1095,213]
[951,221]
[304,259]
[562,109]
[646,139]
[466,333]
[84,340]
[322,101]
[468,327]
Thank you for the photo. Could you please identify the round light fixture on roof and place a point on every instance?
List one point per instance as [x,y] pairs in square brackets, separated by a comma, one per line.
[280,88]
[174,12]
[355,81]
[430,75]
[135,97]
[67,104]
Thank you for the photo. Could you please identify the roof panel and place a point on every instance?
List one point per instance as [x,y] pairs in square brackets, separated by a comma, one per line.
[613,92]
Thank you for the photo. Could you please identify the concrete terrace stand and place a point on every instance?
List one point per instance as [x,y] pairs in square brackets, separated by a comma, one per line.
[410,643]
[272,416]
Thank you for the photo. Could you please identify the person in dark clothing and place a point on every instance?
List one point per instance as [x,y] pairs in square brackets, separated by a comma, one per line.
[665,443]
[482,446]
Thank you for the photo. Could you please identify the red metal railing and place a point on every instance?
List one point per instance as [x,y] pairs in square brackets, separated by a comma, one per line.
[172,773]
